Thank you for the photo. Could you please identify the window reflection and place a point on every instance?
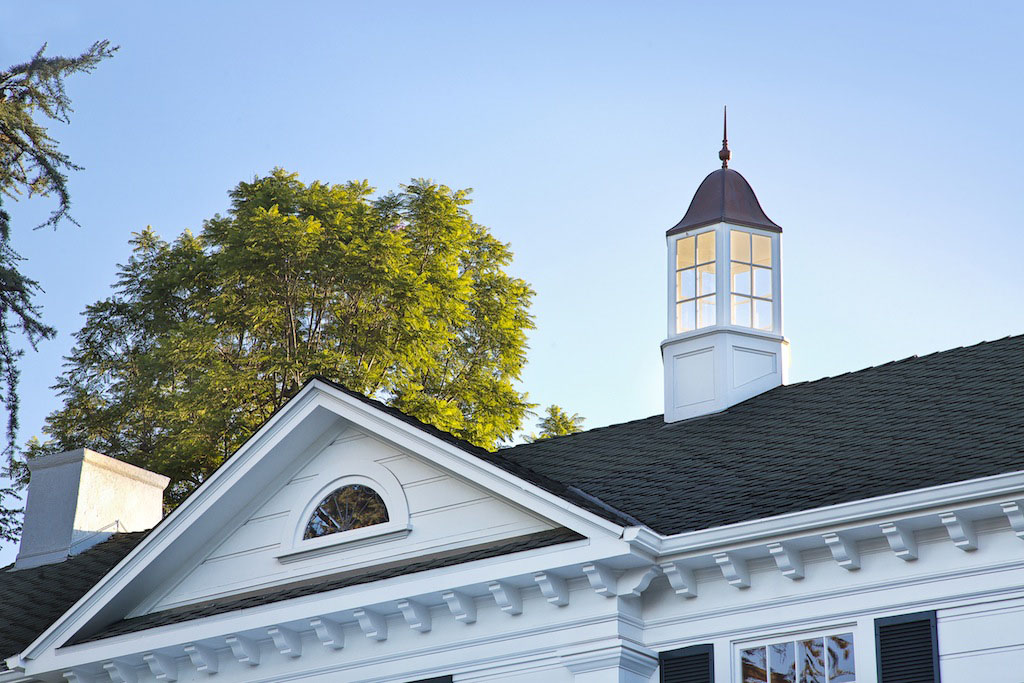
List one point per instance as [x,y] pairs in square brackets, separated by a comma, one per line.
[753,666]
[815,660]
[347,508]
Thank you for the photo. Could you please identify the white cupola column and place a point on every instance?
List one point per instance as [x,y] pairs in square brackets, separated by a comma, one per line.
[725,341]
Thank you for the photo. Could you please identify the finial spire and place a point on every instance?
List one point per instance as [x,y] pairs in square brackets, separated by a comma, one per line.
[725,154]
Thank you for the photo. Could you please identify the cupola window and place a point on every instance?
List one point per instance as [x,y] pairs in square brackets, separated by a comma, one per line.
[750,277]
[695,282]
[344,509]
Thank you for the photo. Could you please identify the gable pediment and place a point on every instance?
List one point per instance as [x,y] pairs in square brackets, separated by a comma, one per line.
[241,532]
[430,511]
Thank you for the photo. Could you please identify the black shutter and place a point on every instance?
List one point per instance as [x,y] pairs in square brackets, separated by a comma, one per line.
[907,649]
[693,664]
[441,679]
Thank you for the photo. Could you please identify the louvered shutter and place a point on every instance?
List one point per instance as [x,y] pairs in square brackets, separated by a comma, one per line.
[907,649]
[693,664]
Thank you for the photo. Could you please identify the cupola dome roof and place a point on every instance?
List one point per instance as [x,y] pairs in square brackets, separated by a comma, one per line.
[724,197]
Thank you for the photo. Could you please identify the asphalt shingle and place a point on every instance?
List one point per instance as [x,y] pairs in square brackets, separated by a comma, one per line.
[910,424]
[32,599]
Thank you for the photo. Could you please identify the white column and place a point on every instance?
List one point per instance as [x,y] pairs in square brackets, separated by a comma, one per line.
[612,661]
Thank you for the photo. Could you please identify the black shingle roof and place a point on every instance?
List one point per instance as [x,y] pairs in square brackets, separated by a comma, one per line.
[32,599]
[919,422]
[533,541]
[942,418]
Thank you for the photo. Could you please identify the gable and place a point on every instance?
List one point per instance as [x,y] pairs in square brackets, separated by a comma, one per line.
[238,536]
[430,511]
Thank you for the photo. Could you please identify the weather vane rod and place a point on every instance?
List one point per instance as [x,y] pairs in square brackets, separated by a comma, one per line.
[725,154]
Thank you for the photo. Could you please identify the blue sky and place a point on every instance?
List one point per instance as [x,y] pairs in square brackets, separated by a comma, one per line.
[884,138]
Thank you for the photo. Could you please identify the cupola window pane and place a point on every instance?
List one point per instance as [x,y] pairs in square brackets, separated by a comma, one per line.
[762,250]
[763,283]
[685,284]
[684,253]
[686,318]
[705,247]
[740,278]
[740,249]
[741,310]
[762,314]
[695,282]
[706,311]
[750,279]
[706,279]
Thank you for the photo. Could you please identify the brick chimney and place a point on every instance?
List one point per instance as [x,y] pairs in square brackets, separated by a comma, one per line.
[78,498]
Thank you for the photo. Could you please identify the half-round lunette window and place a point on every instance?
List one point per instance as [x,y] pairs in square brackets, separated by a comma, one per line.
[349,507]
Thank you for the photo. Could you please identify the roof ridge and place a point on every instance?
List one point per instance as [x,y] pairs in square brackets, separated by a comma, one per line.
[910,359]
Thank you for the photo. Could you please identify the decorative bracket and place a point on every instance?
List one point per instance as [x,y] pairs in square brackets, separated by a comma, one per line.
[635,581]
[508,597]
[330,633]
[734,569]
[374,625]
[681,578]
[554,588]
[788,560]
[203,658]
[1014,511]
[961,531]
[901,540]
[844,550]
[77,676]
[462,606]
[163,667]
[416,614]
[287,641]
[121,672]
[245,650]
[602,579]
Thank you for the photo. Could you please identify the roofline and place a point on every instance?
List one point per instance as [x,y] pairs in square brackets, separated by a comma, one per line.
[998,487]
[676,230]
[373,411]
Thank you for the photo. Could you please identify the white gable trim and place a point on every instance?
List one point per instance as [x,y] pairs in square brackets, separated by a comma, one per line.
[320,405]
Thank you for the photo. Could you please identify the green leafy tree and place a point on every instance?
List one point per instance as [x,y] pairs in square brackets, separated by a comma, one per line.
[403,297]
[30,164]
[557,422]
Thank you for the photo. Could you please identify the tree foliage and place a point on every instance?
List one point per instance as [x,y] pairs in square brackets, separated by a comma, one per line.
[31,163]
[557,422]
[403,297]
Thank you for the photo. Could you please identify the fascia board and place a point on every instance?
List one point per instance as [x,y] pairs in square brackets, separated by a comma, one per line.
[981,491]
[316,394]
[525,563]
[176,523]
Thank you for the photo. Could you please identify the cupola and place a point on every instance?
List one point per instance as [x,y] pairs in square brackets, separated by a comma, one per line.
[725,342]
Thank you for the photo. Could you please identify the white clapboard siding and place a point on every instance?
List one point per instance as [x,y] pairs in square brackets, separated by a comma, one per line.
[445,513]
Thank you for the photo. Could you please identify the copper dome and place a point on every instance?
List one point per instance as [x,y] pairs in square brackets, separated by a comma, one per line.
[724,197]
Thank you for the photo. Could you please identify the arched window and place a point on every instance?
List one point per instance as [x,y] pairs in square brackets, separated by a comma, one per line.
[349,507]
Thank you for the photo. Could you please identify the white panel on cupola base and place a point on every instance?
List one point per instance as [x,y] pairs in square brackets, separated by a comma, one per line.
[430,511]
[750,365]
[693,375]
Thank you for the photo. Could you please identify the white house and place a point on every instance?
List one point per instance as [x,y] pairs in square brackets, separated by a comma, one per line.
[866,527]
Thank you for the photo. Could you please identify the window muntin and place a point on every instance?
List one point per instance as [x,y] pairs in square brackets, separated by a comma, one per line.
[750,279]
[350,507]
[825,659]
[695,282]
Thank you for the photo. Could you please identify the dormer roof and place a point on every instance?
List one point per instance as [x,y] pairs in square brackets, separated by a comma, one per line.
[725,196]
